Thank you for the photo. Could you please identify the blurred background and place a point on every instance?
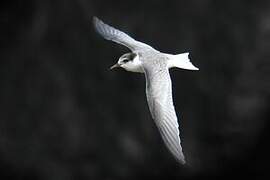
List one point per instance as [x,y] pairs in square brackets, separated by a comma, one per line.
[64,115]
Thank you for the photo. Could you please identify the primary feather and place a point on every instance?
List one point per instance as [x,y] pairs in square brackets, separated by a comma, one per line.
[110,33]
[160,102]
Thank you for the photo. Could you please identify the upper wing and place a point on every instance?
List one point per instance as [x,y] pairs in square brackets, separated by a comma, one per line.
[159,97]
[110,33]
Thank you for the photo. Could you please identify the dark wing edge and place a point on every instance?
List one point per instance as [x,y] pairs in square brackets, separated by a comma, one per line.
[110,33]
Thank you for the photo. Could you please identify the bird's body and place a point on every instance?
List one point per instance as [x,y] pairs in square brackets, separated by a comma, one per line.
[155,65]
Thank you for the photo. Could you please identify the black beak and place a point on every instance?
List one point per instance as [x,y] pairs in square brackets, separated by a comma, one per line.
[115,66]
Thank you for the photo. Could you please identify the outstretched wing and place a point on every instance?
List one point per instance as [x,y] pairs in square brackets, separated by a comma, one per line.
[112,34]
[160,102]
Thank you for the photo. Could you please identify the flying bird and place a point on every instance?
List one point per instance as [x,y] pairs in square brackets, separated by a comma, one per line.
[155,65]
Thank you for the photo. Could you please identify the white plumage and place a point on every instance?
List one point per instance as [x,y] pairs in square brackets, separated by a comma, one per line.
[155,65]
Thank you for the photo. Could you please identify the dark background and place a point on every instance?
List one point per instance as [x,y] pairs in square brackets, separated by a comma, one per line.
[64,115]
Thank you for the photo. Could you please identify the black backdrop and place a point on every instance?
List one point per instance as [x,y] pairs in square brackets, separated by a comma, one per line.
[64,115]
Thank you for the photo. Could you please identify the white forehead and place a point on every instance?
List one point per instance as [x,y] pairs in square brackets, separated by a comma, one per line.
[136,58]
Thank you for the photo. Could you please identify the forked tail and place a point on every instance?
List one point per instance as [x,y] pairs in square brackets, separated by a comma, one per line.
[180,61]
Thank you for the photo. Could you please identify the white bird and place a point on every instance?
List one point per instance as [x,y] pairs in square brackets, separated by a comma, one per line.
[155,65]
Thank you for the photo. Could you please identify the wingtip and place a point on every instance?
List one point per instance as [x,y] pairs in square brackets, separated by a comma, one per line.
[182,161]
[97,23]
[95,20]
[181,158]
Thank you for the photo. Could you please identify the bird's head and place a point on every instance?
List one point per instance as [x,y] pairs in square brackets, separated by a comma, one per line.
[130,62]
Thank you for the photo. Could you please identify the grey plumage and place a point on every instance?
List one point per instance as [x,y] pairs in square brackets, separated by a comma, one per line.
[160,102]
[112,34]
[155,66]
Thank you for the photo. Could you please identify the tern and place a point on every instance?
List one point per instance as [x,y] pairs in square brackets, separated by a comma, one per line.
[155,65]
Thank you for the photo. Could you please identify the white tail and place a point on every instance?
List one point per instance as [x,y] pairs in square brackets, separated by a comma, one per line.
[180,61]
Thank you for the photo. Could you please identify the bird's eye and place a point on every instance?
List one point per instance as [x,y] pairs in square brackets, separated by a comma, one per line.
[125,60]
